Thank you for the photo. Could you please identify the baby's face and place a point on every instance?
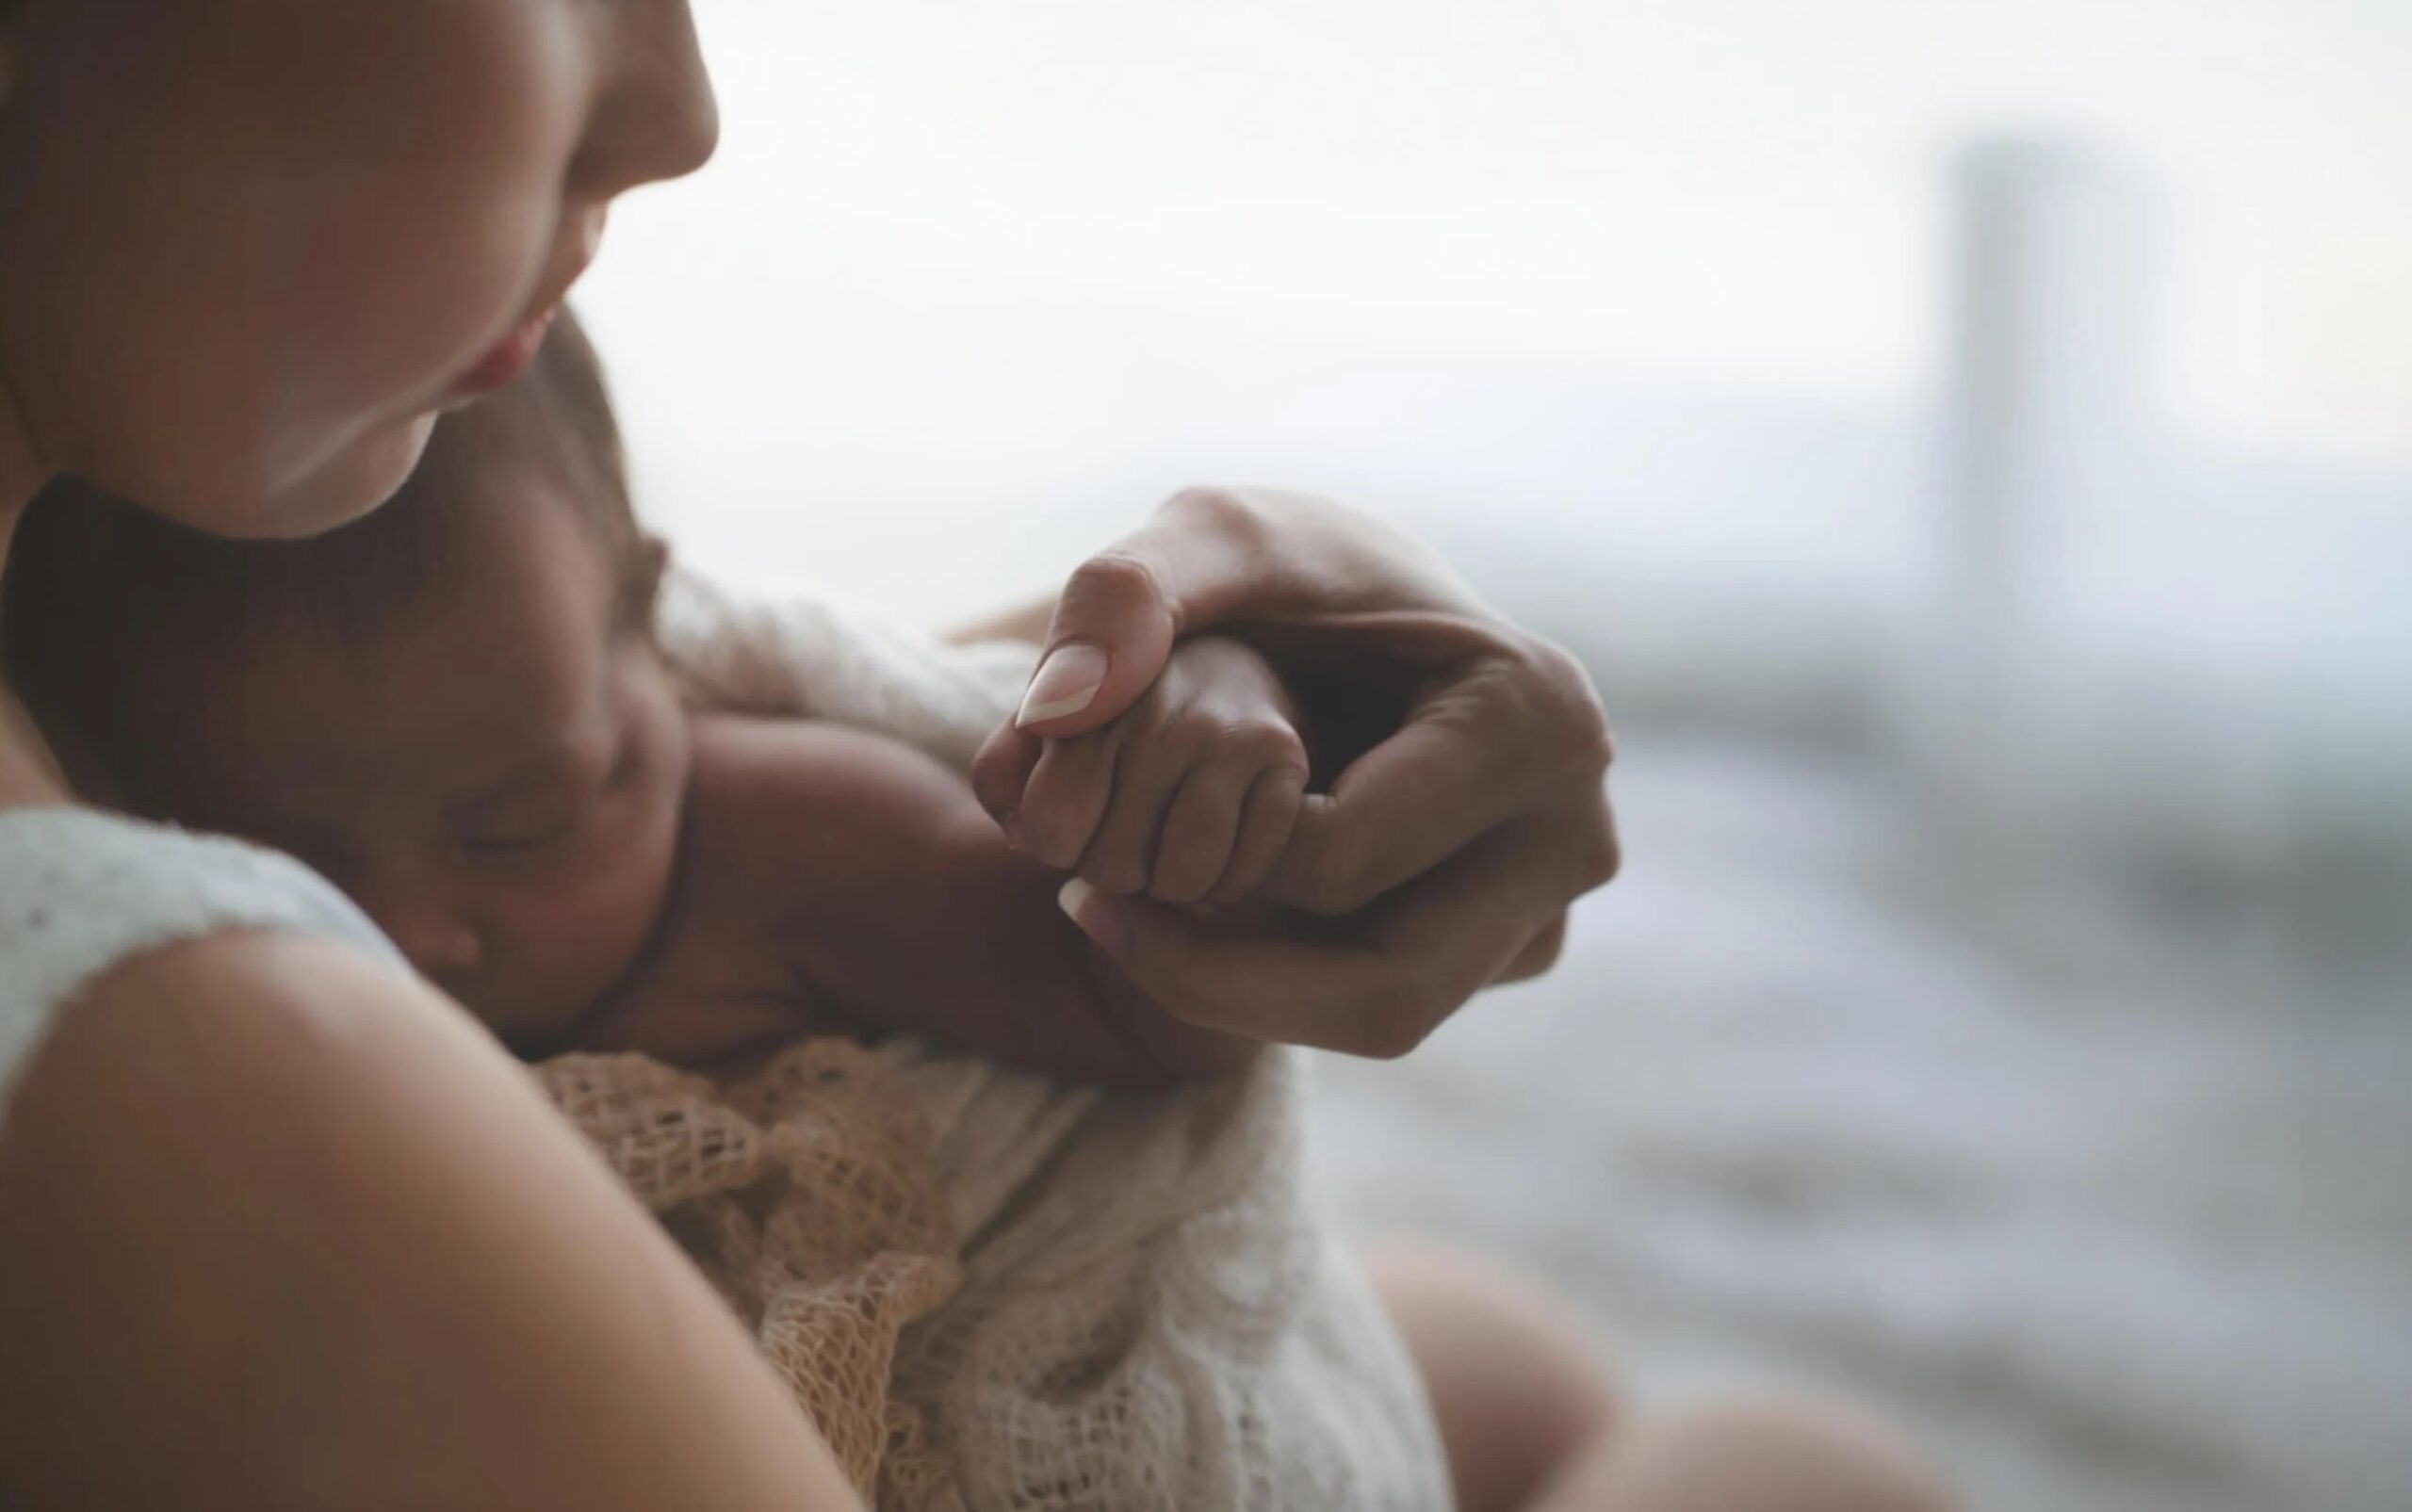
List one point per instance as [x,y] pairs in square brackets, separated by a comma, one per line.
[496,776]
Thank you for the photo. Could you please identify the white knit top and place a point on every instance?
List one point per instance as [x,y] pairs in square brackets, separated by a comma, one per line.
[82,891]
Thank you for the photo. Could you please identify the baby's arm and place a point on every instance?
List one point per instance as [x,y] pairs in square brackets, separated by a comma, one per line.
[902,908]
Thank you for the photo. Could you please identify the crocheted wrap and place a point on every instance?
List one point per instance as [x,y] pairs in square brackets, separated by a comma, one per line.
[992,1292]
[807,1196]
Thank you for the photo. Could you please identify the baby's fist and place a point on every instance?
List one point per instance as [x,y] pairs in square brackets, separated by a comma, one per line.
[1189,796]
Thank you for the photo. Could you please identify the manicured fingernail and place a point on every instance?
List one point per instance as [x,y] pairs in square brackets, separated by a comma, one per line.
[1064,683]
[1099,925]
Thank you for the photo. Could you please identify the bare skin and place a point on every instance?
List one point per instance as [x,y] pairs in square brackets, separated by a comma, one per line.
[249,248]
[838,883]
[368,1265]
[505,780]
[236,283]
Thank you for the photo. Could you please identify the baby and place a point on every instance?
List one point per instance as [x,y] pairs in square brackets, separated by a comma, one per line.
[458,709]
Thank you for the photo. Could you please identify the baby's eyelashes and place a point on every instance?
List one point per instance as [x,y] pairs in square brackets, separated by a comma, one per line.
[543,802]
[513,842]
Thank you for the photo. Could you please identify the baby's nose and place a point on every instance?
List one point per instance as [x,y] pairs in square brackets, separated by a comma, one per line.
[441,946]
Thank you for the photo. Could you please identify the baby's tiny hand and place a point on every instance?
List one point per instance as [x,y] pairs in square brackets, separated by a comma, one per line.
[1189,796]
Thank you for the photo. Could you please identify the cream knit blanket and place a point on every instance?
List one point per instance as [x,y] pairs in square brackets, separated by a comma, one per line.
[991,1292]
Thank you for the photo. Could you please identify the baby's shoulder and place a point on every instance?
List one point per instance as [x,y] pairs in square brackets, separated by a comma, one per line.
[791,808]
[774,777]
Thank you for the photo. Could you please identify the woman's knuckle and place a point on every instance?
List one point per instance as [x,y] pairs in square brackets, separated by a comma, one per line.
[1541,953]
[1226,511]
[1115,576]
[1393,1008]
[1598,854]
[1564,704]
[1605,858]
[1398,1026]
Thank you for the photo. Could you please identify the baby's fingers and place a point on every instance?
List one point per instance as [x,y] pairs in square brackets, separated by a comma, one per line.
[1001,770]
[1195,849]
[1266,822]
[1121,856]
[1065,799]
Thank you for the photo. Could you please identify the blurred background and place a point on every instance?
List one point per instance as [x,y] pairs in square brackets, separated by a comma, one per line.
[1971,443]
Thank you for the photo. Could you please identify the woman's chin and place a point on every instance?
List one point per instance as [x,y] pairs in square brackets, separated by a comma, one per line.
[347,486]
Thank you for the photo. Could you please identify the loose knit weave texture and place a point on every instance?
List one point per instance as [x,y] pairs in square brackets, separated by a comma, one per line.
[992,1292]
[807,1196]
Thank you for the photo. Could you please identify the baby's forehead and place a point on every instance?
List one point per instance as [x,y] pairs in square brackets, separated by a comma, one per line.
[365,766]
[512,530]
[498,657]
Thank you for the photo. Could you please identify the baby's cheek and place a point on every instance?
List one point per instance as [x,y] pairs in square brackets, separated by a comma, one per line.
[583,924]
[595,927]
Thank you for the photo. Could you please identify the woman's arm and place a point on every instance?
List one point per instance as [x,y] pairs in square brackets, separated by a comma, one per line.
[281,1229]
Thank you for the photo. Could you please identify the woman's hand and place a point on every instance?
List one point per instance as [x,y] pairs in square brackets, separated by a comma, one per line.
[1445,851]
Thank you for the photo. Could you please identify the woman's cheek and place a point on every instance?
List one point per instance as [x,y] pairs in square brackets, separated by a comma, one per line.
[407,308]
[445,255]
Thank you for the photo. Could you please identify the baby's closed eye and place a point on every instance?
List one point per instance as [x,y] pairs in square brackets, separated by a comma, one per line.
[545,806]
[519,835]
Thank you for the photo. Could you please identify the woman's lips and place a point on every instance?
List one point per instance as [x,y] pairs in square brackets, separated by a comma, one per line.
[509,357]
[512,355]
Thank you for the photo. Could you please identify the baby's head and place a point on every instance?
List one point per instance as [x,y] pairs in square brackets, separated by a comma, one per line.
[453,707]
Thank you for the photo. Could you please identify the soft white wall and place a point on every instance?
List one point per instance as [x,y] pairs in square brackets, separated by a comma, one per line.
[1640,309]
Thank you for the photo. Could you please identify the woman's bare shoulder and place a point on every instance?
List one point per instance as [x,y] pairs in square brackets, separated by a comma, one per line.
[222,1038]
[285,1223]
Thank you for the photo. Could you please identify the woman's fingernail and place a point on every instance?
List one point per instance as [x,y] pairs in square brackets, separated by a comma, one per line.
[1099,925]
[1063,684]
[1075,892]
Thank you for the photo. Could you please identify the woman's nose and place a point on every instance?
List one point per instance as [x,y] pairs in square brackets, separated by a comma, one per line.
[657,119]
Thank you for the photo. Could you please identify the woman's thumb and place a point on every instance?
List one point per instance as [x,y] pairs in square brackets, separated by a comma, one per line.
[1113,628]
